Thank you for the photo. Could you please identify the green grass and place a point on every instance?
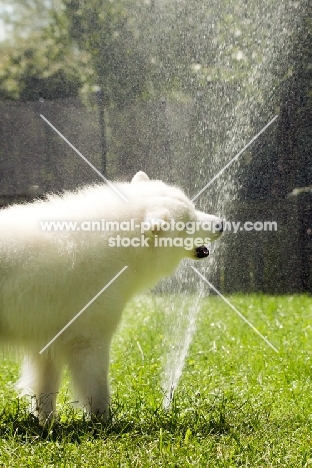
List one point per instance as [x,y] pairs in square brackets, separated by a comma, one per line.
[238,403]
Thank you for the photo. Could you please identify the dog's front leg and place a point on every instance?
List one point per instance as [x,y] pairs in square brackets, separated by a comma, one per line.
[89,367]
[40,379]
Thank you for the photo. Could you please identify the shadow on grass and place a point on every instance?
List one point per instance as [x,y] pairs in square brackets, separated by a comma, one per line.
[203,418]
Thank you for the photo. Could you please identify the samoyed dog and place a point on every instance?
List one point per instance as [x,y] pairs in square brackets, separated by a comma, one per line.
[68,266]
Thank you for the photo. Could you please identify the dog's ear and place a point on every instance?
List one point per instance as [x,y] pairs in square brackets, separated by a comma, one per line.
[139,177]
[155,219]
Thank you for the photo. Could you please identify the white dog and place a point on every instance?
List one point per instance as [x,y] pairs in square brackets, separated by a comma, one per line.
[49,272]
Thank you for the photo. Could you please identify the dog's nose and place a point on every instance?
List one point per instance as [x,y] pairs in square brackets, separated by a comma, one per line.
[221,226]
[202,252]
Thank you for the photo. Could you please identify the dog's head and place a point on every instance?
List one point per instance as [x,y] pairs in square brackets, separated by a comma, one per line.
[172,221]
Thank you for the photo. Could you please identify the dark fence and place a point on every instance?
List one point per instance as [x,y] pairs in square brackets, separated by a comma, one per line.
[34,159]
[269,261]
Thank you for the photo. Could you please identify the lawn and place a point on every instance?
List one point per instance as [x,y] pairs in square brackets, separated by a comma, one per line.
[238,403]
